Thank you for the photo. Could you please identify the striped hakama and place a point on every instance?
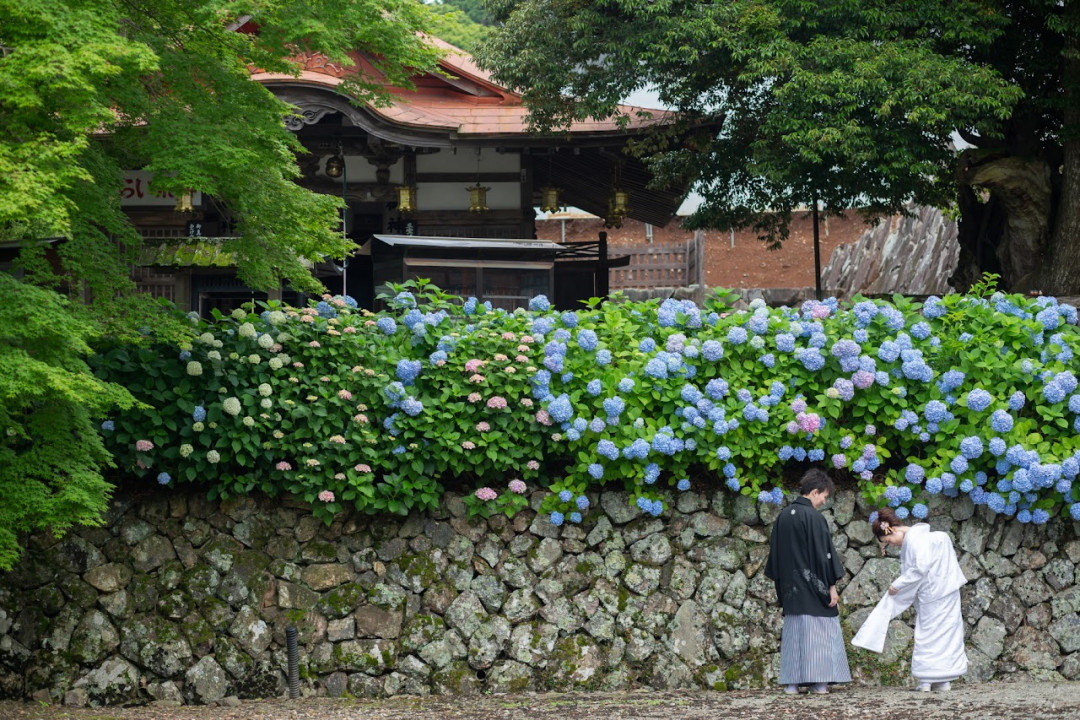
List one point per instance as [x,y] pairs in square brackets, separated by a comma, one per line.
[812,651]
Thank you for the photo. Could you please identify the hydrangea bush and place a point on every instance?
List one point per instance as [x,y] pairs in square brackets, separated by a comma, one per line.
[968,395]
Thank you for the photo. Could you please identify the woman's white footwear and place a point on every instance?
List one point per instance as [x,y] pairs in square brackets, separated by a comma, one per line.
[923,687]
[941,686]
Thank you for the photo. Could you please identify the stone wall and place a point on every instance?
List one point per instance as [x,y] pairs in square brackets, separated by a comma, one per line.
[912,255]
[177,599]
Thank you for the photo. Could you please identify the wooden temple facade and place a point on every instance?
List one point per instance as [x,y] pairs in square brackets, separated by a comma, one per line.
[410,171]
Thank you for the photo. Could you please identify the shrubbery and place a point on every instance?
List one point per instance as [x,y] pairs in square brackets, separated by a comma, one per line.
[967,396]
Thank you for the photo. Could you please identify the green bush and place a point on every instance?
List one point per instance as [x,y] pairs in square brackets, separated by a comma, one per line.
[971,396]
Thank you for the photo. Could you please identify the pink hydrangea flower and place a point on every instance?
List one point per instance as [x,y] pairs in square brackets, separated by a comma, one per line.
[522,349]
[542,417]
[482,426]
[314,344]
[337,439]
[496,403]
[533,465]
[820,312]
[307,319]
[283,466]
[808,422]
[510,369]
[476,378]
[348,330]
[798,405]
[521,359]
[527,402]
[144,445]
[469,445]
[344,394]
[499,357]
[527,339]
[324,378]
[339,476]
[362,468]
[508,335]
[473,365]
[369,323]
[340,302]
[486,493]
[361,418]
[862,379]
[275,348]
[297,364]
[474,397]
[793,427]
[517,486]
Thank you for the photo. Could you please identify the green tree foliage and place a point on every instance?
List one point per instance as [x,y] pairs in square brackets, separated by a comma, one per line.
[462,23]
[90,88]
[852,103]
[50,455]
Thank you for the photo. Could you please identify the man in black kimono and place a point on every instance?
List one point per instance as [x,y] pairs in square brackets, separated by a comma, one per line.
[804,565]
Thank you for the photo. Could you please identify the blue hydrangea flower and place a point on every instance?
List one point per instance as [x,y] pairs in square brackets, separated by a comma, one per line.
[603,356]
[914,473]
[109,425]
[647,345]
[198,415]
[901,513]
[596,470]
[933,308]
[656,368]
[733,484]
[683,484]
[594,387]
[560,409]
[920,511]
[164,478]
[978,400]
[587,340]
[540,303]
[971,447]
[652,472]
[387,325]
[411,406]
[935,411]
[712,350]
[556,518]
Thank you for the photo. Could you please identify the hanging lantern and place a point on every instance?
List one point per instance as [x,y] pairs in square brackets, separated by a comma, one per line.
[477,197]
[183,203]
[549,200]
[618,208]
[406,198]
[335,166]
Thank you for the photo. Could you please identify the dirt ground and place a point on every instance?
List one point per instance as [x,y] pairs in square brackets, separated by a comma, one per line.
[1006,700]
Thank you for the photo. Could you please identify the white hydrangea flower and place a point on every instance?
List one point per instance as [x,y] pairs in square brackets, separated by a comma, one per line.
[238,314]
[248,421]
[284,338]
[207,338]
[265,390]
[231,405]
[254,359]
[218,344]
[197,427]
[214,355]
[213,456]
[276,317]
[757,303]
[266,403]
[275,363]
[247,330]
[194,368]
[185,450]
[266,341]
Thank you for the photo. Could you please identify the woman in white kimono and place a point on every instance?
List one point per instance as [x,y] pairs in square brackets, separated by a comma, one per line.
[930,579]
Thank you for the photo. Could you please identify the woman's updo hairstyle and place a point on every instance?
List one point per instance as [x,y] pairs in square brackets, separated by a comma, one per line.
[883,522]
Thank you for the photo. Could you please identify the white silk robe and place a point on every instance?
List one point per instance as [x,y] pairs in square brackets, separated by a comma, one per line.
[930,579]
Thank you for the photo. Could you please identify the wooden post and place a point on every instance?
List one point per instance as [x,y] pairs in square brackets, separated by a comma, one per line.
[817,254]
[602,280]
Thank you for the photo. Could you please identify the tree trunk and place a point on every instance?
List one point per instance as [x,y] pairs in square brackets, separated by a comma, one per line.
[1006,205]
[1061,274]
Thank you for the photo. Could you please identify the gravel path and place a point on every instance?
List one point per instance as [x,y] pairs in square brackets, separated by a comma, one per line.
[1020,700]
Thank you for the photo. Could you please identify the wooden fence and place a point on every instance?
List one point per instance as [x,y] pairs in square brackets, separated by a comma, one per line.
[669,265]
